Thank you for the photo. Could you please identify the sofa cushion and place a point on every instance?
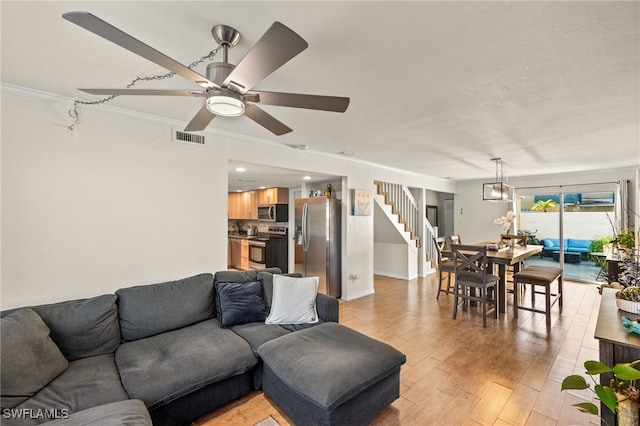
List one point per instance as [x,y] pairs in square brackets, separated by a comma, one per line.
[148,310]
[551,243]
[240,303]
[87,383]
[257,333]
[294,300]
[578,245]
[122,413]
[83,328]
[266,278]
[29,358]
[164,367]
[330,364]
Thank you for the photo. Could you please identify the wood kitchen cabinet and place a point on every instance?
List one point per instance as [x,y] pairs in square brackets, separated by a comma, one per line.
[273,196]
[244,254]
[244,205]
[250,204]
[235,253]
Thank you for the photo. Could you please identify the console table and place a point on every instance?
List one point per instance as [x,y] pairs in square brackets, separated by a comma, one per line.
[616,343]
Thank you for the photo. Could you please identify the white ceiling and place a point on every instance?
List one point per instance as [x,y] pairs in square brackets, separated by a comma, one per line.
[437,88]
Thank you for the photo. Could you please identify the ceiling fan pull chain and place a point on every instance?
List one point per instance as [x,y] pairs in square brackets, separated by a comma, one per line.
[74,113]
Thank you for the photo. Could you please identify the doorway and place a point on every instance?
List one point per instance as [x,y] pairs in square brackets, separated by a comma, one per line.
[570,226]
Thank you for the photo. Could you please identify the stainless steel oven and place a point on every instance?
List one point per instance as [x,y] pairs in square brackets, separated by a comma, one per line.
[257,254]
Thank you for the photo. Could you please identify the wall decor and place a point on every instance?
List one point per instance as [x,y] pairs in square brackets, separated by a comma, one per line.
[361,202]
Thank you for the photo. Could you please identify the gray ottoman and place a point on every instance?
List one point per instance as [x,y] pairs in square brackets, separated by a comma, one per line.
[330,375]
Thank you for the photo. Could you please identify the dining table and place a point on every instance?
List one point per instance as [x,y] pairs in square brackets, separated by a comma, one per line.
[503,257]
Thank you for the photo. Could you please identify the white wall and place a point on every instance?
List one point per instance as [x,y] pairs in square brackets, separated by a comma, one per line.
[474,217]
[113,205]
[117,204]
[395,261]
[579,225]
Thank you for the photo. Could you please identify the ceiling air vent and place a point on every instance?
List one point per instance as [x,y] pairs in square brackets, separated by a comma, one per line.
[180,136]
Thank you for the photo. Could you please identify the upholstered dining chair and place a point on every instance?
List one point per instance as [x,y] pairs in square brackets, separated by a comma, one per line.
[472,277]
[445,264]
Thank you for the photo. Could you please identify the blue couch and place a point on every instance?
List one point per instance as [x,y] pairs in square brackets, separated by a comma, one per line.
[571,245]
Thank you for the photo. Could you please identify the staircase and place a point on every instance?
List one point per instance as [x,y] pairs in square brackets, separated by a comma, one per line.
[402,209]
[402,204]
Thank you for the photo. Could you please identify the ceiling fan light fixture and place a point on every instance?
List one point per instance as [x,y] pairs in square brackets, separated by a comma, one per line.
[226,104]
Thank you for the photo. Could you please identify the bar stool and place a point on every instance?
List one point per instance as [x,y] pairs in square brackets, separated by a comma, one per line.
[542,276]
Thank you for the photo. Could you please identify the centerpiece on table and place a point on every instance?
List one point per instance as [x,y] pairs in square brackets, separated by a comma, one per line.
[628,299]
[505,223]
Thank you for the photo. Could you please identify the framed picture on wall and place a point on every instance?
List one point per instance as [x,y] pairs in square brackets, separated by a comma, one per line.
[432,215]
[361,202]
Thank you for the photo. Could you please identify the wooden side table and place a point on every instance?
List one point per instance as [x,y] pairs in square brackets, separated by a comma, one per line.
[617,344]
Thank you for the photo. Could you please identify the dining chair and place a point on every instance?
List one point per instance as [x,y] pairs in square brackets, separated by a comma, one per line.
[454,239]
[470,269]
[445,264]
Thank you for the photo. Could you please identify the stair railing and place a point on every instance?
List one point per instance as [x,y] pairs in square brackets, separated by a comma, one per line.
[403,204]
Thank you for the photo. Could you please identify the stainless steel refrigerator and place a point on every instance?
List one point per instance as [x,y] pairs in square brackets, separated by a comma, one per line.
[318,231]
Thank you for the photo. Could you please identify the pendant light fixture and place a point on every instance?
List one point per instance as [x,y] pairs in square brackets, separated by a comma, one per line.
[498,191]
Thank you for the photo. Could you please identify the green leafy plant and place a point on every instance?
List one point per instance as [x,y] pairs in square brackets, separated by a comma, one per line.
[597,245]
[622,384]
[629,293]
[627,239]
[543,205]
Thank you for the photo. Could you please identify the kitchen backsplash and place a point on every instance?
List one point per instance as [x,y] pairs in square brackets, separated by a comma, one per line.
[244,225]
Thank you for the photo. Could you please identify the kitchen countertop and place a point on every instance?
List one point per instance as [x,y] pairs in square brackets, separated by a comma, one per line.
[244,236]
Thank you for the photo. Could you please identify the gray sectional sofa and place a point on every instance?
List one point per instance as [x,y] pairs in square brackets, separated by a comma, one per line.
[158,353]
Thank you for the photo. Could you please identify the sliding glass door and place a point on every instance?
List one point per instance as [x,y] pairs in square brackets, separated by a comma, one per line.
[574,228]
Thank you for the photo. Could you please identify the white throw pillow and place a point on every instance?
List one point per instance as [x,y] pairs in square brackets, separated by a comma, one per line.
[294,300]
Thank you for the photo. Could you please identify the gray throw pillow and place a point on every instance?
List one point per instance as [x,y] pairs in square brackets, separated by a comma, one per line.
[240,303]
[29,358]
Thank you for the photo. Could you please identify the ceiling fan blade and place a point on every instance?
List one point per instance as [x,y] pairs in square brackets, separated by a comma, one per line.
[264,119]
[276,47]
[107,31]
[145,92]
[296,100]
[201,120]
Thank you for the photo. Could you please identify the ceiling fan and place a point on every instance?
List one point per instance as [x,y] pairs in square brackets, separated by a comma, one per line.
[227,88]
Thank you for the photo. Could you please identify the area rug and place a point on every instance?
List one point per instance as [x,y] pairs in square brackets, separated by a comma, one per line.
[269,421]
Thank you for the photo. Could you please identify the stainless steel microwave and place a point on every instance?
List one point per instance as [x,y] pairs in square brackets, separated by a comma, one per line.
[273,212]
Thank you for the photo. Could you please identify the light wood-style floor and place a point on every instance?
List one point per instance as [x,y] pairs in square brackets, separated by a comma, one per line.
[459,373]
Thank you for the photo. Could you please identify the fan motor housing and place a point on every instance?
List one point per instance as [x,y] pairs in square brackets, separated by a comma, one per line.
[219,71]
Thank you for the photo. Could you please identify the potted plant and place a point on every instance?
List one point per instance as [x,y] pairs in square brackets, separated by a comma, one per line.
[598,245]
[622,396]
[628,299]
[543,205]
[625,239]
